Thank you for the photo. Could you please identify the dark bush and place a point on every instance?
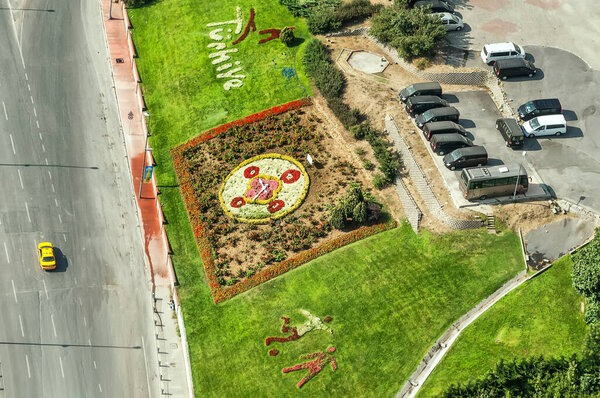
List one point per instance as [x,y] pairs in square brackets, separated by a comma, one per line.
[337,218]
[287,36]
[314,55]
[323,20]
[379,181]
[342,112]
[136,3]
[592,312]
[304,8]
[329,80]
[357,9]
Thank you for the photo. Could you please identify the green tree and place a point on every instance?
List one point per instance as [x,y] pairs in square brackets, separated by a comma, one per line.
[337,218]
[359,214]
[412,31]
[323,20]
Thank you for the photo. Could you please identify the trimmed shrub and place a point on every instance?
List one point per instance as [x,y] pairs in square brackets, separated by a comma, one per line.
[357,9]
[592,312]
[342,112]
[359,214]
[305,8]
[287,36]
[136,3]
[323,20]
[337,218]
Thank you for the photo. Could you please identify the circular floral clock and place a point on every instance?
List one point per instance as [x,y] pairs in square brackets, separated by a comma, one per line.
[264,187]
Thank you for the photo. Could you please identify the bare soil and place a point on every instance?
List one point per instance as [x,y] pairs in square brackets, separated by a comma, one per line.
[527,216]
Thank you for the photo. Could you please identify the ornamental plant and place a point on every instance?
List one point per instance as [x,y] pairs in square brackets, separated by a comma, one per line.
[287,36]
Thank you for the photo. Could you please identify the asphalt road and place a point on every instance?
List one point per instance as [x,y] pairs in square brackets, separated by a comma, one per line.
[86,329]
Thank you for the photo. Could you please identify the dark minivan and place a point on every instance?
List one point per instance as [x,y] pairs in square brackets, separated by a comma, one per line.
[511,131]
[448,113]
[513,67]
[540,107]
[466,157]
[429,88]
[446,143]
[445,127]
[421,103]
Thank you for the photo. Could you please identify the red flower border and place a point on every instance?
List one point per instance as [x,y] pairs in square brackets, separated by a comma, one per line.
[182,171]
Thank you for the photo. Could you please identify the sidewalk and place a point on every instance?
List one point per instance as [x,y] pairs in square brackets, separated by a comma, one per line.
[172,374]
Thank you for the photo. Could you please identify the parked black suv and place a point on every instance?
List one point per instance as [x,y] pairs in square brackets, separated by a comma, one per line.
[511,131]
[421,103]
[513,67]
[446,127]
[446,143]
[540,107]
[448,113]
[428,88]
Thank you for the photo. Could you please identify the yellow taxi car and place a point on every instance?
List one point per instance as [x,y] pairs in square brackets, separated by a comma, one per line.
[46,255]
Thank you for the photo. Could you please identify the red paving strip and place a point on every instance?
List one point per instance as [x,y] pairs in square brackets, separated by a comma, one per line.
[546,4]
[500,27]
[489,5]
[134,134]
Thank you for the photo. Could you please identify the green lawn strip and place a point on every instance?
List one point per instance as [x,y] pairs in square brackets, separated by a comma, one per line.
[541,317]
[390,296]
[185,98]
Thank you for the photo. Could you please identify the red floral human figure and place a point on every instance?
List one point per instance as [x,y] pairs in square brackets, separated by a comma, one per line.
[315,366]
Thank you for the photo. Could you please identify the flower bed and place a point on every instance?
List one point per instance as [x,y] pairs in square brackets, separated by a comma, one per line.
[259,156]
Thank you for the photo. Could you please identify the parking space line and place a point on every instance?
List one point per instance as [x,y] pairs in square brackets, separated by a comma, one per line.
[14,290]
[85,323]
[5,114]
[49,174]
[89,342]
[53,325]
[45,289]
[28,368]
[146,365]
[29,87]
[53,188]
[6,251]
[34,111]
[20,179]
[26,77]
[99,387]
[31,97]
[27,208]
[37,124]
[13,144]
[56,202]
[62,371]
[40,134]
[43,148]
[60,218]
[64,237]
[21,324]
[94,362]
[46,159]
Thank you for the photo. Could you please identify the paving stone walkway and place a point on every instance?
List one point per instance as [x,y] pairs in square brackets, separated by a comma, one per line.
[422,183]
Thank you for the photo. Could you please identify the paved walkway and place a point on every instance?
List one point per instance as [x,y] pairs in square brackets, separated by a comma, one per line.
[421,182]
[171,374]
[441,347]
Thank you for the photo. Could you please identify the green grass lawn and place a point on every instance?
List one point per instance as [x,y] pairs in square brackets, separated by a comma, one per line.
[390,296]
[185,97]
[541,317]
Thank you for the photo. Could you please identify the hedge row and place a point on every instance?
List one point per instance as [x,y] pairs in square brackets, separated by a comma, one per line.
[327,19]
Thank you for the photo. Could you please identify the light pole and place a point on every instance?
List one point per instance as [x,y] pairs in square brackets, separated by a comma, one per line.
[518,176]
[146,149]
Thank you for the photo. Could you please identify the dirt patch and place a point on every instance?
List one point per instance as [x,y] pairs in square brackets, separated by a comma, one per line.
[527,216]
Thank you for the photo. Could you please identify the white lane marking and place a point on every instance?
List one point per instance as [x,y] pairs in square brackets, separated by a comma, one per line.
[40,134]
[31,96]
[146,365]
[34,111]
[46,159]
[62,371]
[99,387]
[16,35]
[37,124]
[43,148]
[53,325]
[53,188]
[28,368]
[6,251]
[89,342]
[49,174]
[65,239]
[20,179]
[94,364]
[27,208]
[45,289]
[26,77]
[5,114]
[60,218]
[56,202]
[14,290]
[21,323]
[28,86]
[85,324]
[13,144]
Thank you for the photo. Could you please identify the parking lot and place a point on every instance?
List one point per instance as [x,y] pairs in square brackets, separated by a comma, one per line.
[569,164]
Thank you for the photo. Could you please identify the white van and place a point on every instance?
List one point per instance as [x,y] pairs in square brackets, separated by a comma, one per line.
[493,52]
[545,125]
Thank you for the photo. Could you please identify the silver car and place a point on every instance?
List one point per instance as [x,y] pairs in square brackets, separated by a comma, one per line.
[450,21]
